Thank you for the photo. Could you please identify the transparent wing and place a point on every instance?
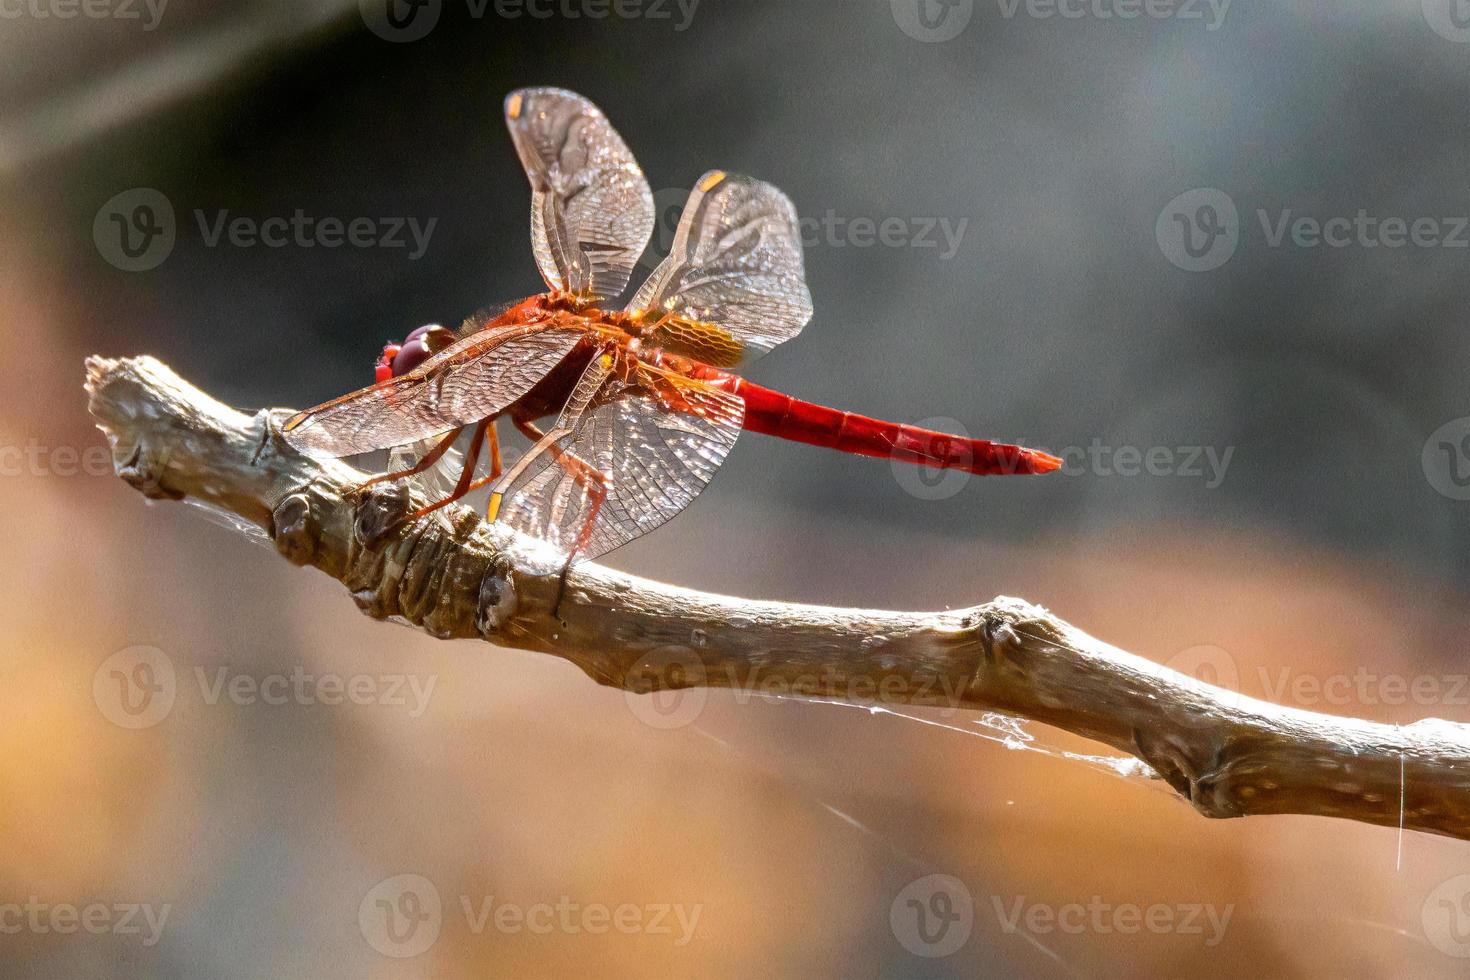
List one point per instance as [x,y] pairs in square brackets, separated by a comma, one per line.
[438,480]
[656,440]
[463,384]
[733,285]
[591,210]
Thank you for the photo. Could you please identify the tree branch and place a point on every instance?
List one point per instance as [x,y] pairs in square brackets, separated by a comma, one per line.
[1228,755]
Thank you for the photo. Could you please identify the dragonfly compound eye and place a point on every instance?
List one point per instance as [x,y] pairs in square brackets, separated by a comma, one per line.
[420,345]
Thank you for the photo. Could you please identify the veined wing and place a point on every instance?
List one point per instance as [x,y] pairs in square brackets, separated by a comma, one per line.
[733,285]
[462,384]
[656,440]
[591,210]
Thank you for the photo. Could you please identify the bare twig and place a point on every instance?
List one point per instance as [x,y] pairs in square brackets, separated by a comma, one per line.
[1228,755]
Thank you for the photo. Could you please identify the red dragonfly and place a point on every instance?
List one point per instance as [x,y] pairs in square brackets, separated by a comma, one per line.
[646,406]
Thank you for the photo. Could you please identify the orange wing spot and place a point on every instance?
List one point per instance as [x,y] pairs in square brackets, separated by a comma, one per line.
[710,180]
[513,107]
[698,339]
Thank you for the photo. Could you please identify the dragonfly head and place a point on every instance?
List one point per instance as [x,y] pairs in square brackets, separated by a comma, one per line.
[399,359]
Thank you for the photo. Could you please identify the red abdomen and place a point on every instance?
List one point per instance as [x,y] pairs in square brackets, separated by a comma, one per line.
[775,414]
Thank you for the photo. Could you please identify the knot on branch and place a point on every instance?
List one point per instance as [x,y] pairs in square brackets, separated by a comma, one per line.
[1006,626]
[381,508]
[1199,769]
[497,599]
[295,529]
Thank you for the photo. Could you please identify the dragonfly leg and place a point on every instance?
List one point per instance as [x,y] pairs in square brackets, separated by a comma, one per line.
[467,481]
[584,472]
[590,479]
[541,443]
[430,458]
[598,493]
[492,439]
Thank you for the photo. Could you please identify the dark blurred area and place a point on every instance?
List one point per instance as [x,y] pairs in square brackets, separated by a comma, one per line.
[1043,222]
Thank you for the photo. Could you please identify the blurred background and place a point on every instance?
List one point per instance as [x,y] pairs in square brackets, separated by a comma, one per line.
[1214,254]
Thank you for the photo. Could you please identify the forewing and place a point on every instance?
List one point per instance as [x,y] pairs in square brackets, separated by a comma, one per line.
[461,385]
[591,210]
[733,285]
[659,438]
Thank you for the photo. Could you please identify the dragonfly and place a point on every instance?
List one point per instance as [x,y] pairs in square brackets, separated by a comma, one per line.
[645,400]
